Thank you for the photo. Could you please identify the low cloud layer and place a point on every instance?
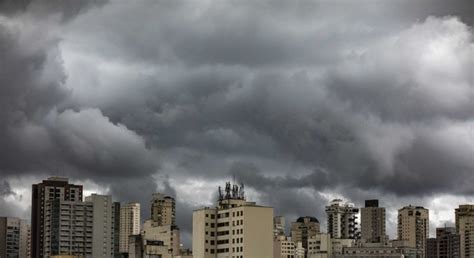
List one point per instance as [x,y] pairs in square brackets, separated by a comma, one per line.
[301,101]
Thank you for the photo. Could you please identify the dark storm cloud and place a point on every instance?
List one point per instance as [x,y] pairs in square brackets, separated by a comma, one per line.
[5,189]
[67,9]
[296,99]
[40,135]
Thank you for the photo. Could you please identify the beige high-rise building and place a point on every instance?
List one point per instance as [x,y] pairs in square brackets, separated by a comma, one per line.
[373,223]
[129,224]
[413,227]
[342,218]
[102,225]
[163,210]
[303,229]
[14,237]
[465,228]
[235,228]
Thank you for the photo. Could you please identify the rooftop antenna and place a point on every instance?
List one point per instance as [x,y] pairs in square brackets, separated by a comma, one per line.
[220,194]
[242,192]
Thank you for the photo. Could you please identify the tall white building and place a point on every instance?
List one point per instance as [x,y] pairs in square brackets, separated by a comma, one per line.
[342,218]
[68,228]
[103,225]
[235,228]
[14,234]
[129,224]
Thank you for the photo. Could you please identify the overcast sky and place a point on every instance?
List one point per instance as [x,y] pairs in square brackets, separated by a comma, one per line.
[302,101]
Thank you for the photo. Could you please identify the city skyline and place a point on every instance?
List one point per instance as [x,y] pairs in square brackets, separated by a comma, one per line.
[302,101]
[322,221]
[98,226]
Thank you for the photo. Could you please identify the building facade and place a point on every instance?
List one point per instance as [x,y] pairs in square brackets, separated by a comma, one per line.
[373,222]
[102,225]
[163,211]
[47,197]
[413,227]
[116,217]
[168,236]
[319,246]
[342,218]
[278,225]
[445,245]
[14,233]
[465,228]
[235,228]
[68,228]
[283,247]
[304,228]
[129,224]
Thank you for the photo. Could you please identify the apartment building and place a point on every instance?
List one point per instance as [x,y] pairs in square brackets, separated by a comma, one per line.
[235,228]
[102,225]
[465,228]
[373,223]
[283,247]
[14,233]
[342,218]
[168,235]
[445,245]
[278,225]
[413,227]
[47,198]
[304,228]
[163,210]
[68,228]
[129,224]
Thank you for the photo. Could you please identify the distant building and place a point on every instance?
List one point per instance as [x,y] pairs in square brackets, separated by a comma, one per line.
[431,247]
[374,252]
[47,199]
[373,222]
[129,224]
[116,228]
[342,218]
[393,249]
[319,246]
[304,228]
[169,235]
[299,250]
[142,248]
[235,228]
[446,243]
[413,227]
[14,233]
[283,247]
[163,210]
[465,228]
[102,225]
[278,226]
